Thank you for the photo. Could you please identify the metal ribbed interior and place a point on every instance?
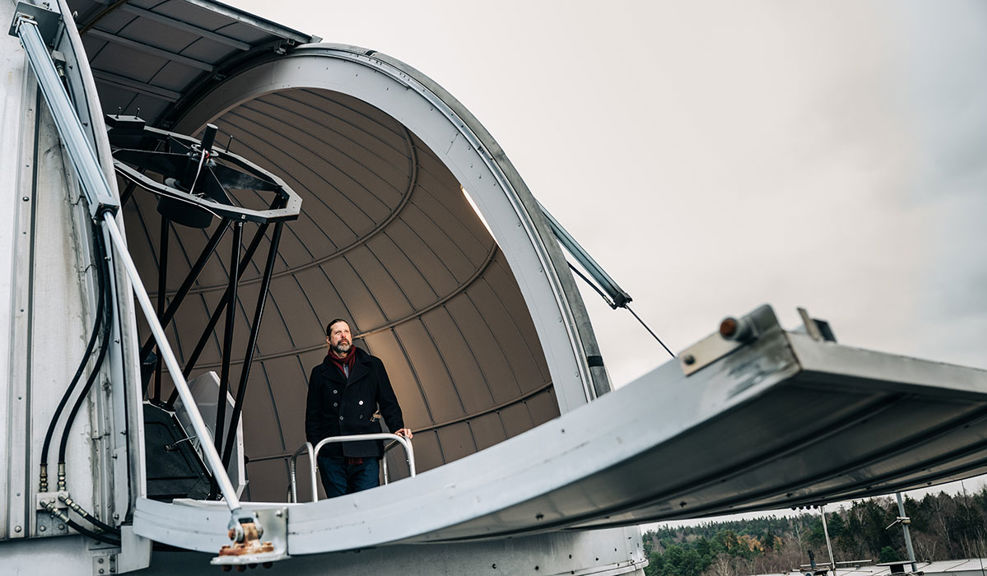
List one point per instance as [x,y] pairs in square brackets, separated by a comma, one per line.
[387,238]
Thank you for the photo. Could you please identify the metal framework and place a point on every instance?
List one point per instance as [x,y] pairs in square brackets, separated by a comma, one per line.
[186,193]
[197,182]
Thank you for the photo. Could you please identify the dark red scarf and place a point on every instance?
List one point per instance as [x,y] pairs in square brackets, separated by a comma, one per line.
[345,360]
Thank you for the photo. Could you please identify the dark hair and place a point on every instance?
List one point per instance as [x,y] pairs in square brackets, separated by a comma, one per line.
[330,324]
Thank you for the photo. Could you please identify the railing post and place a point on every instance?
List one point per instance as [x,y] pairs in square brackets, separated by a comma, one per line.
[405,443]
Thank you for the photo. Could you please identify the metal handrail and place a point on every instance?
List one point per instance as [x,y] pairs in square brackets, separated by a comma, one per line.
[306,448]
[409,452]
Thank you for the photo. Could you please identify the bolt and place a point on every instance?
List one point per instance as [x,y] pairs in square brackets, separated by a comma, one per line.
[61,527]
[689,359]
[42,528]
[17,529]
[100,560]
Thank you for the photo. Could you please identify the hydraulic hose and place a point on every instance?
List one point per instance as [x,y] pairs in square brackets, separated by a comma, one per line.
[100,290]
[94,374]
[94,534]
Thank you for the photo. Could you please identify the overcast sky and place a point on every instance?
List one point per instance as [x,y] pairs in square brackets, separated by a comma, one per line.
[714,156]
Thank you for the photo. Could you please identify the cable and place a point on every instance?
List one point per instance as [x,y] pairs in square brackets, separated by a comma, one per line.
[104,345]
[670,353]
[593,285]
[92,519]
[101,288]
[104,295]
[625,305]
[94,534]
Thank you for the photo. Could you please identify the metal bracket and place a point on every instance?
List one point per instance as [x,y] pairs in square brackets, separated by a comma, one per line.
[734,333]
[43,498]
[818,330]
[49,23]
[45,524]
[104,561]
[705,352]
[261,542]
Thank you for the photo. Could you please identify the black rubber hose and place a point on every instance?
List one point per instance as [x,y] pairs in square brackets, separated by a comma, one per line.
[74,506]
[104,345]
[104,295]
[94,534]
[100,289]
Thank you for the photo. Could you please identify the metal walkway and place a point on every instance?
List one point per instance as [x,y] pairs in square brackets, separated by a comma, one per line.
[780,420]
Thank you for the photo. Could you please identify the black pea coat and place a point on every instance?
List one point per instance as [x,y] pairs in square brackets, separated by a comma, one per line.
[338,406]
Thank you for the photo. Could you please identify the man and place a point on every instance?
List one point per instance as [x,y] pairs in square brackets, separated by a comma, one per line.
[344,393]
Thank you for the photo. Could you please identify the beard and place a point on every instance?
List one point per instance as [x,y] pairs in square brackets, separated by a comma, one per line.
[342,348]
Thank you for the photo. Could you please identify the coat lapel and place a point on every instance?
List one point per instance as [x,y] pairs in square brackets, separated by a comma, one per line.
[333,373]
[361,367]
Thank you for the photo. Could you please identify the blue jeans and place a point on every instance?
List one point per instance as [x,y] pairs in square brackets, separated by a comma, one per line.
[340,478]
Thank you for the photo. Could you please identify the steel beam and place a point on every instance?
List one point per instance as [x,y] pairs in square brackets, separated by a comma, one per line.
[231,293]
[252,340]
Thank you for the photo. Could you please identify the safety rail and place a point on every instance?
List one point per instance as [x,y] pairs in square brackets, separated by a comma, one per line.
[307,448]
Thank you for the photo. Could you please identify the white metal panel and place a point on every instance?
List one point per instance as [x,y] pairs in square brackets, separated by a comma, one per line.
[16,166]
[754,430]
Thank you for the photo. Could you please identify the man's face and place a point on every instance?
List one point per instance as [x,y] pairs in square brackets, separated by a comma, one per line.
[339,339]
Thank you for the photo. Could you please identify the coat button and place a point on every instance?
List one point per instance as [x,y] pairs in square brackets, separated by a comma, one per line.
[334,404]
[334,392]
[361,402]
[340,417]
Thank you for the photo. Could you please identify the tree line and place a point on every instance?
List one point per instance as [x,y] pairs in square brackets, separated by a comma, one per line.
[943,527]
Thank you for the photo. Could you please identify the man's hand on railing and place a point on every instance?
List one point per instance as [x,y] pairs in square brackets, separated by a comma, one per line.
[405,432]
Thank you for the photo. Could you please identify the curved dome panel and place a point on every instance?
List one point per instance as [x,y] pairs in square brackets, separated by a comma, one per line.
[386,238]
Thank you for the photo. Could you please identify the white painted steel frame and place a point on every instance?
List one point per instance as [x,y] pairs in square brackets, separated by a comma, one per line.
[79,149]
[102,205]
[213,460]
[575,471]
[17,119]
[128,454]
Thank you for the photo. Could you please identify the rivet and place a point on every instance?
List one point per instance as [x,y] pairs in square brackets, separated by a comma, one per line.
[689,359]
[17,529]
[25,198]
[42,528]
